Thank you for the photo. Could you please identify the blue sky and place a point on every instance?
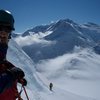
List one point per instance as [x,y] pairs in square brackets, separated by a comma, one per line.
[30,13]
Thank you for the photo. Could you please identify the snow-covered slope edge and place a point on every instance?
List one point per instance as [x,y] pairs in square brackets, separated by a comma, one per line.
[18,57]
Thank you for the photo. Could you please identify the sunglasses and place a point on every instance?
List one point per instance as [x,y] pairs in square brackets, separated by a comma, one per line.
[5,29]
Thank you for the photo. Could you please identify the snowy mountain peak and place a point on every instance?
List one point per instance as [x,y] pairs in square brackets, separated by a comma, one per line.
[51,27]
[67,21]
[61,36]
[64,23]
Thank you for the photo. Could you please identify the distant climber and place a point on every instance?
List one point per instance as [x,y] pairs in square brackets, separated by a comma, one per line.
[50,86]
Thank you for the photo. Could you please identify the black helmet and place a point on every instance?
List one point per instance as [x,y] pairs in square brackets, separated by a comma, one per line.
[6,19]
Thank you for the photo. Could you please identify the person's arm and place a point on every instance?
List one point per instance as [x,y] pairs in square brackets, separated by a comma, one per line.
[18,74]
[10,76]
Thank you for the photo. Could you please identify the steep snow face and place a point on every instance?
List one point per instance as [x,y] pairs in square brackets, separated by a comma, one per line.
[91,31]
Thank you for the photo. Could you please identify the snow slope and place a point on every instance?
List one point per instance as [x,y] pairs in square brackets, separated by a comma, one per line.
[37,87]
[78,72]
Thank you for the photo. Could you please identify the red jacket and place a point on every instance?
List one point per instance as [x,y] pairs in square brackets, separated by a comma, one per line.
[10,93]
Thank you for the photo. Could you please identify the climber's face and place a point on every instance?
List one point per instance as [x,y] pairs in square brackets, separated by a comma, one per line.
[4,34]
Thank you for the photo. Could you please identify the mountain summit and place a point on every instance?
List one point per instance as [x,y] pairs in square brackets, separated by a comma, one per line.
[60,37]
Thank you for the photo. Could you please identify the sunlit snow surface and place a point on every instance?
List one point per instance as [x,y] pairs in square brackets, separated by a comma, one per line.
[75,76]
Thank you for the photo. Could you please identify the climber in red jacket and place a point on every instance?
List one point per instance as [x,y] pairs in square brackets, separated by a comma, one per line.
[9,74]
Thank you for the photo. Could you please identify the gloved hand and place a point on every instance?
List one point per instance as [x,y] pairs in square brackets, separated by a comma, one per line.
[17,73]
[23,81]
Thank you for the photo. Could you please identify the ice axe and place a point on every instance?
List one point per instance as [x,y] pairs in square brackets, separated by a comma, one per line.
[25,92]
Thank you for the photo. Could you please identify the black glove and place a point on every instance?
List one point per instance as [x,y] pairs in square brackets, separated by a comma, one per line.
[17,73]
[23,81]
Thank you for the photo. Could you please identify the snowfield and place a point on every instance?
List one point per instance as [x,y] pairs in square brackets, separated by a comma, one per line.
[75,76]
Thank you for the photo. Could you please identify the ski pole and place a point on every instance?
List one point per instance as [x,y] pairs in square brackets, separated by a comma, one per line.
[21,90]
[25,93]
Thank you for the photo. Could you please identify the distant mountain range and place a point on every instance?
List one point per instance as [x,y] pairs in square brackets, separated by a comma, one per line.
[61,37]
